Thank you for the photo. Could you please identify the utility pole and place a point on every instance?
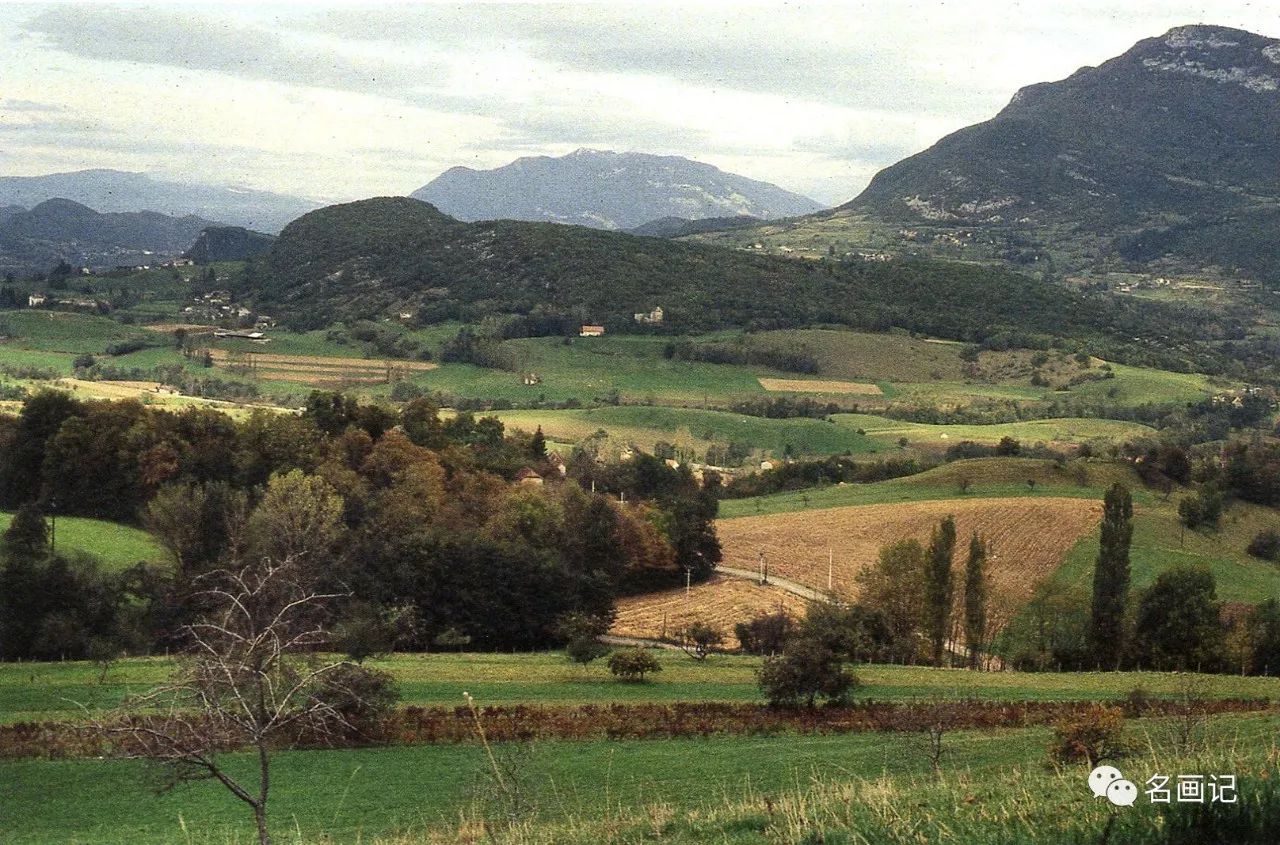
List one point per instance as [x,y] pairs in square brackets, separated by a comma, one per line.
[688,582]
[761,565]
[831,562]
[53,526]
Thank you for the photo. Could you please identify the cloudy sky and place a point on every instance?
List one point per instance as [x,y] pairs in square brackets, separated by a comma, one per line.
[350,101]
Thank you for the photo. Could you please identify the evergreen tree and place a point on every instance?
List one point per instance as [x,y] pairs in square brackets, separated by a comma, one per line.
[1111,578]
[975,597]
[538,446]
[939,586]
[28,533]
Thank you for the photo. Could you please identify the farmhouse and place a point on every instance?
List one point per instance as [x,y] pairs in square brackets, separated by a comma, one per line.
[654,316]
[591,331]
[239,335]
[35,300]
[554,459]
[528,478]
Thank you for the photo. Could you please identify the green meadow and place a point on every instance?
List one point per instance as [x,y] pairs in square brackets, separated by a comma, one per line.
[117,546]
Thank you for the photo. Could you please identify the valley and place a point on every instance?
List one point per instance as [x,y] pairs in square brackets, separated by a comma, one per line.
[612,496]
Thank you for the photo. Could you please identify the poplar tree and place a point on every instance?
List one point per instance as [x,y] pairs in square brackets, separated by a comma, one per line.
[1111,578]
[975,597]
[938,585]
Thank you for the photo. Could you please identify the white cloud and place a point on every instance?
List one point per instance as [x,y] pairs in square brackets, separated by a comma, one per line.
[348,102]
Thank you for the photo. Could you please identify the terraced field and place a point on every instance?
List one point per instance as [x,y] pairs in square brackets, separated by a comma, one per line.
[319,370]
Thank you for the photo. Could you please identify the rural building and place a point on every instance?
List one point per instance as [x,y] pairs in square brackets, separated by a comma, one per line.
[529,379]
[591,331]
[239,335]
[528,478]
[35,300]
[556,461]
[654,316]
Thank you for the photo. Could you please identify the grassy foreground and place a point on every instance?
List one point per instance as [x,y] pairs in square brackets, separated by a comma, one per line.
[854,788]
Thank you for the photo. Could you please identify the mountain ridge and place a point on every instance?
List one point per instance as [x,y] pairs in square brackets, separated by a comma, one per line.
[119,191]
[1163,160]
[606,190]
[60,229]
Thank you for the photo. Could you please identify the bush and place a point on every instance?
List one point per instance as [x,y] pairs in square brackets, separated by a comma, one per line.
[1265,544]
[632,664]
[1137,701]
[806,670]
[765,634]
[1093,734]
[699,638]
[1204,508]
[361,697]
[581,634]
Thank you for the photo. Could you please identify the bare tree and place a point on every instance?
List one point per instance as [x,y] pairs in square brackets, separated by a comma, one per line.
[249,677]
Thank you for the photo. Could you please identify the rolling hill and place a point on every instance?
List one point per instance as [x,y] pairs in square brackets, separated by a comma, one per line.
[606,190]
[388,256]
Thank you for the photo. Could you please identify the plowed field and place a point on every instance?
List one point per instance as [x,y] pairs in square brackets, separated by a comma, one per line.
[721,602]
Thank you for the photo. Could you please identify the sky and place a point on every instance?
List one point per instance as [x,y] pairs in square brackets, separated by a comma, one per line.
[348,101]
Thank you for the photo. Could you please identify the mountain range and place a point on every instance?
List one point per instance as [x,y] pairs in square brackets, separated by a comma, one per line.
[1165,158]
[62,230]
[607,190]
[119,191]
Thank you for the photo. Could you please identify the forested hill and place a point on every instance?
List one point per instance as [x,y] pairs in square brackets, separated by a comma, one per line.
[382,257]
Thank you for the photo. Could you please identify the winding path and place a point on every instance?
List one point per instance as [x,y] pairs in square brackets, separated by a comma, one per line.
[796,589]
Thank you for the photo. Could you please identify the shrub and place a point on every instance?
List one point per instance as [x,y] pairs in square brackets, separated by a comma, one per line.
[1137,701]
[806,670]
[581,636]
[632,664]
[1204,508]
[699,638]
[1093,734]
[1265,544]
[765,634]
[362,697]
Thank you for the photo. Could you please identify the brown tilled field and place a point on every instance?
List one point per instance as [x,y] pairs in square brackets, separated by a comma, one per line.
[317,369]
[1029,538]
[796,385]
[720,601]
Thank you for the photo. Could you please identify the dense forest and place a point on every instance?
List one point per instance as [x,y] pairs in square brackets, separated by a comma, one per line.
[417,520]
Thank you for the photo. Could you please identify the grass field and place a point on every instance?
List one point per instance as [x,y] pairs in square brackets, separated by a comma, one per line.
[56,691]
[358,795]
[118,546]
[1055,431]
[55,331]
[985,477]
[1159,541]
[689,428]
[1029,538]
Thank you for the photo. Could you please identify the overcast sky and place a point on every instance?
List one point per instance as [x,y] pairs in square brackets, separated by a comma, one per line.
[353,101]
